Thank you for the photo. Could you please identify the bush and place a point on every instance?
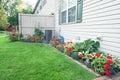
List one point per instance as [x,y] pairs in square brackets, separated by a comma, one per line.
[14,36]
[88,46]
[38,32]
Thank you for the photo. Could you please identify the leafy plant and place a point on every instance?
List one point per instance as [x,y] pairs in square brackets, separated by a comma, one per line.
[14,36]
[68,48]
[98,64]
[116,65]
[38,32]
[88,46]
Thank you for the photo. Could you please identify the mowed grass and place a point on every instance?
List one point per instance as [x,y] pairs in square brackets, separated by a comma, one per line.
[28,61]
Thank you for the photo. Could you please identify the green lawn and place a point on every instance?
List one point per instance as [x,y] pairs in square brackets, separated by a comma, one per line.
[28,61]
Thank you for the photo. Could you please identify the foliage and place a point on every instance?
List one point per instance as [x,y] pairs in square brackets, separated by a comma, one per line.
[27,10]
[98,64]
[38,32]
[116,65]
[57,43]
[68,48]
[14,36]
[11,10]
[3,18]
[10,28]
[103,64]
[93,58]
[88,46]
[34,39]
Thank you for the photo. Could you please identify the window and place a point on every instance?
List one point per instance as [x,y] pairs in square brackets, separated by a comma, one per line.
[64,17]
[42,3]
[79,10]
[70,11]
[71,14]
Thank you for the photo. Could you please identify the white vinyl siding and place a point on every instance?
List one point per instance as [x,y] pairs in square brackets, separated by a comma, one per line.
[100,18]
[40,5]
[48,7]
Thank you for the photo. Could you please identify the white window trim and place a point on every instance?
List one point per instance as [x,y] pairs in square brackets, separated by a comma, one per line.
[68,7]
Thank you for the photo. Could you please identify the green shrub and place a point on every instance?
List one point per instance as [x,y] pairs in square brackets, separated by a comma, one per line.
[38,32]
[88,46]
[14,36]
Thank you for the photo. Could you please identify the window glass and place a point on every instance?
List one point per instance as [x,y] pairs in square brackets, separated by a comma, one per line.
[79,10]
[70,11]
[44,2]
[64,17]
[71,14]
[72,3]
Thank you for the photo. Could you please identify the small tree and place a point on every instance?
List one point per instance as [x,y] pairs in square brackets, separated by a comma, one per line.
[3,18]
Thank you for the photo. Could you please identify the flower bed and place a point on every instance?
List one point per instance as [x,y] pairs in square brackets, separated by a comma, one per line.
[38,36]
[88,53]
[34,39]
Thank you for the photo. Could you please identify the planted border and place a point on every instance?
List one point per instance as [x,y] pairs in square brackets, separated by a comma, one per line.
[88,53]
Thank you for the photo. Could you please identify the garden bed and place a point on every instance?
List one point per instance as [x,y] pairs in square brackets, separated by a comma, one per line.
[87,53]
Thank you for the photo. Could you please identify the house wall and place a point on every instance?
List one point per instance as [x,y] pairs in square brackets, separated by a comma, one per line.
[48,8]
[101,18]
[28,22]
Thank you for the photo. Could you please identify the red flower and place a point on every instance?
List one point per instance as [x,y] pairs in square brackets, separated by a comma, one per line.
[59,41]
[80,55]
[106,67]
[69,50]
[109,57]
[14,34]
[98,55]
[12,28]
[7,29]
[109,61]
[70,42]
[107,72]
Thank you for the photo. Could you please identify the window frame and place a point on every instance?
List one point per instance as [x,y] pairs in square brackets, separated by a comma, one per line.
[42,4]
[67,11]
